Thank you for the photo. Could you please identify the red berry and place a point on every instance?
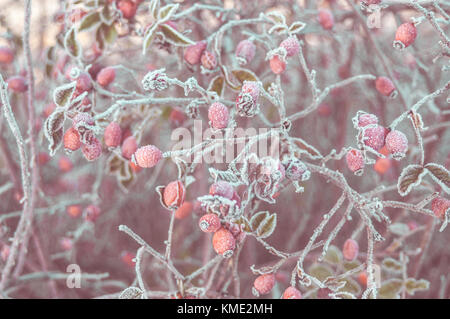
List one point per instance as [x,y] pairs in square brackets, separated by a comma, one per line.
[291,45]
[209,223]
[224,242]
[385,86]
[222,188]
[128,258]
[374,137]
[218,115]
[396,144]
[439,206]
[72,139]
[128,8]
[362,278]
[350,249]
[43,158]
[184,210]
[106,76]
[208,60]
[129,146]
[292,293]
[382,165]
[92,212]
[245,51]
[326,19]
[74,211]
[193,53]
[405,35]
[112,134]
[17,84]
[84,82]
[6,55]
[65,164]
[367,119]
[355,161]
[277,65]
[174,193]
[147,156]
[177,117]
[93,150]
[263,284]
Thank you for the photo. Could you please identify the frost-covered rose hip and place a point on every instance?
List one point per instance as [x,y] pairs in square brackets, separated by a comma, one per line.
[17,84]
[184,210]
[291,45]
[93,150]
[263,284]
[247,100]
[277,65]
[296,170]
[74,211]
[350,249]
[374,137]
[72,139]
[174,193]
[224,242]
[326,19]
[367,119]
[193,53]
[405,35]
[222,188]
[106,76]
[292,293]
[355,161]
[147,156]
[439,206]
[208,60]
[209,223]
[6,55]
[129,146]
[112,134]
[385,86]
[396,144]
[128,8]
[218,115]
[245,52]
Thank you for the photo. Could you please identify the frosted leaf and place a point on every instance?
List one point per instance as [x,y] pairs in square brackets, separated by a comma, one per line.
[321,272]
[399,229]
[71,44]
[63,94]
[440,175]
[174,37]
[351,286]
[166,12]
[131,293]
[54,130]
[89,21]
[412,285]
[392,265]
[411,176]
[333,255]
[390,289]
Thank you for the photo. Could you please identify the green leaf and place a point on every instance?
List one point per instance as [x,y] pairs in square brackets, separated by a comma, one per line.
[154,8]
[109,33]
[296,27]
[351,286]
[89,21]
[173,36]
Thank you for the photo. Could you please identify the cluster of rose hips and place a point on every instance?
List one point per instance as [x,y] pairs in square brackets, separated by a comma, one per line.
[375,137]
